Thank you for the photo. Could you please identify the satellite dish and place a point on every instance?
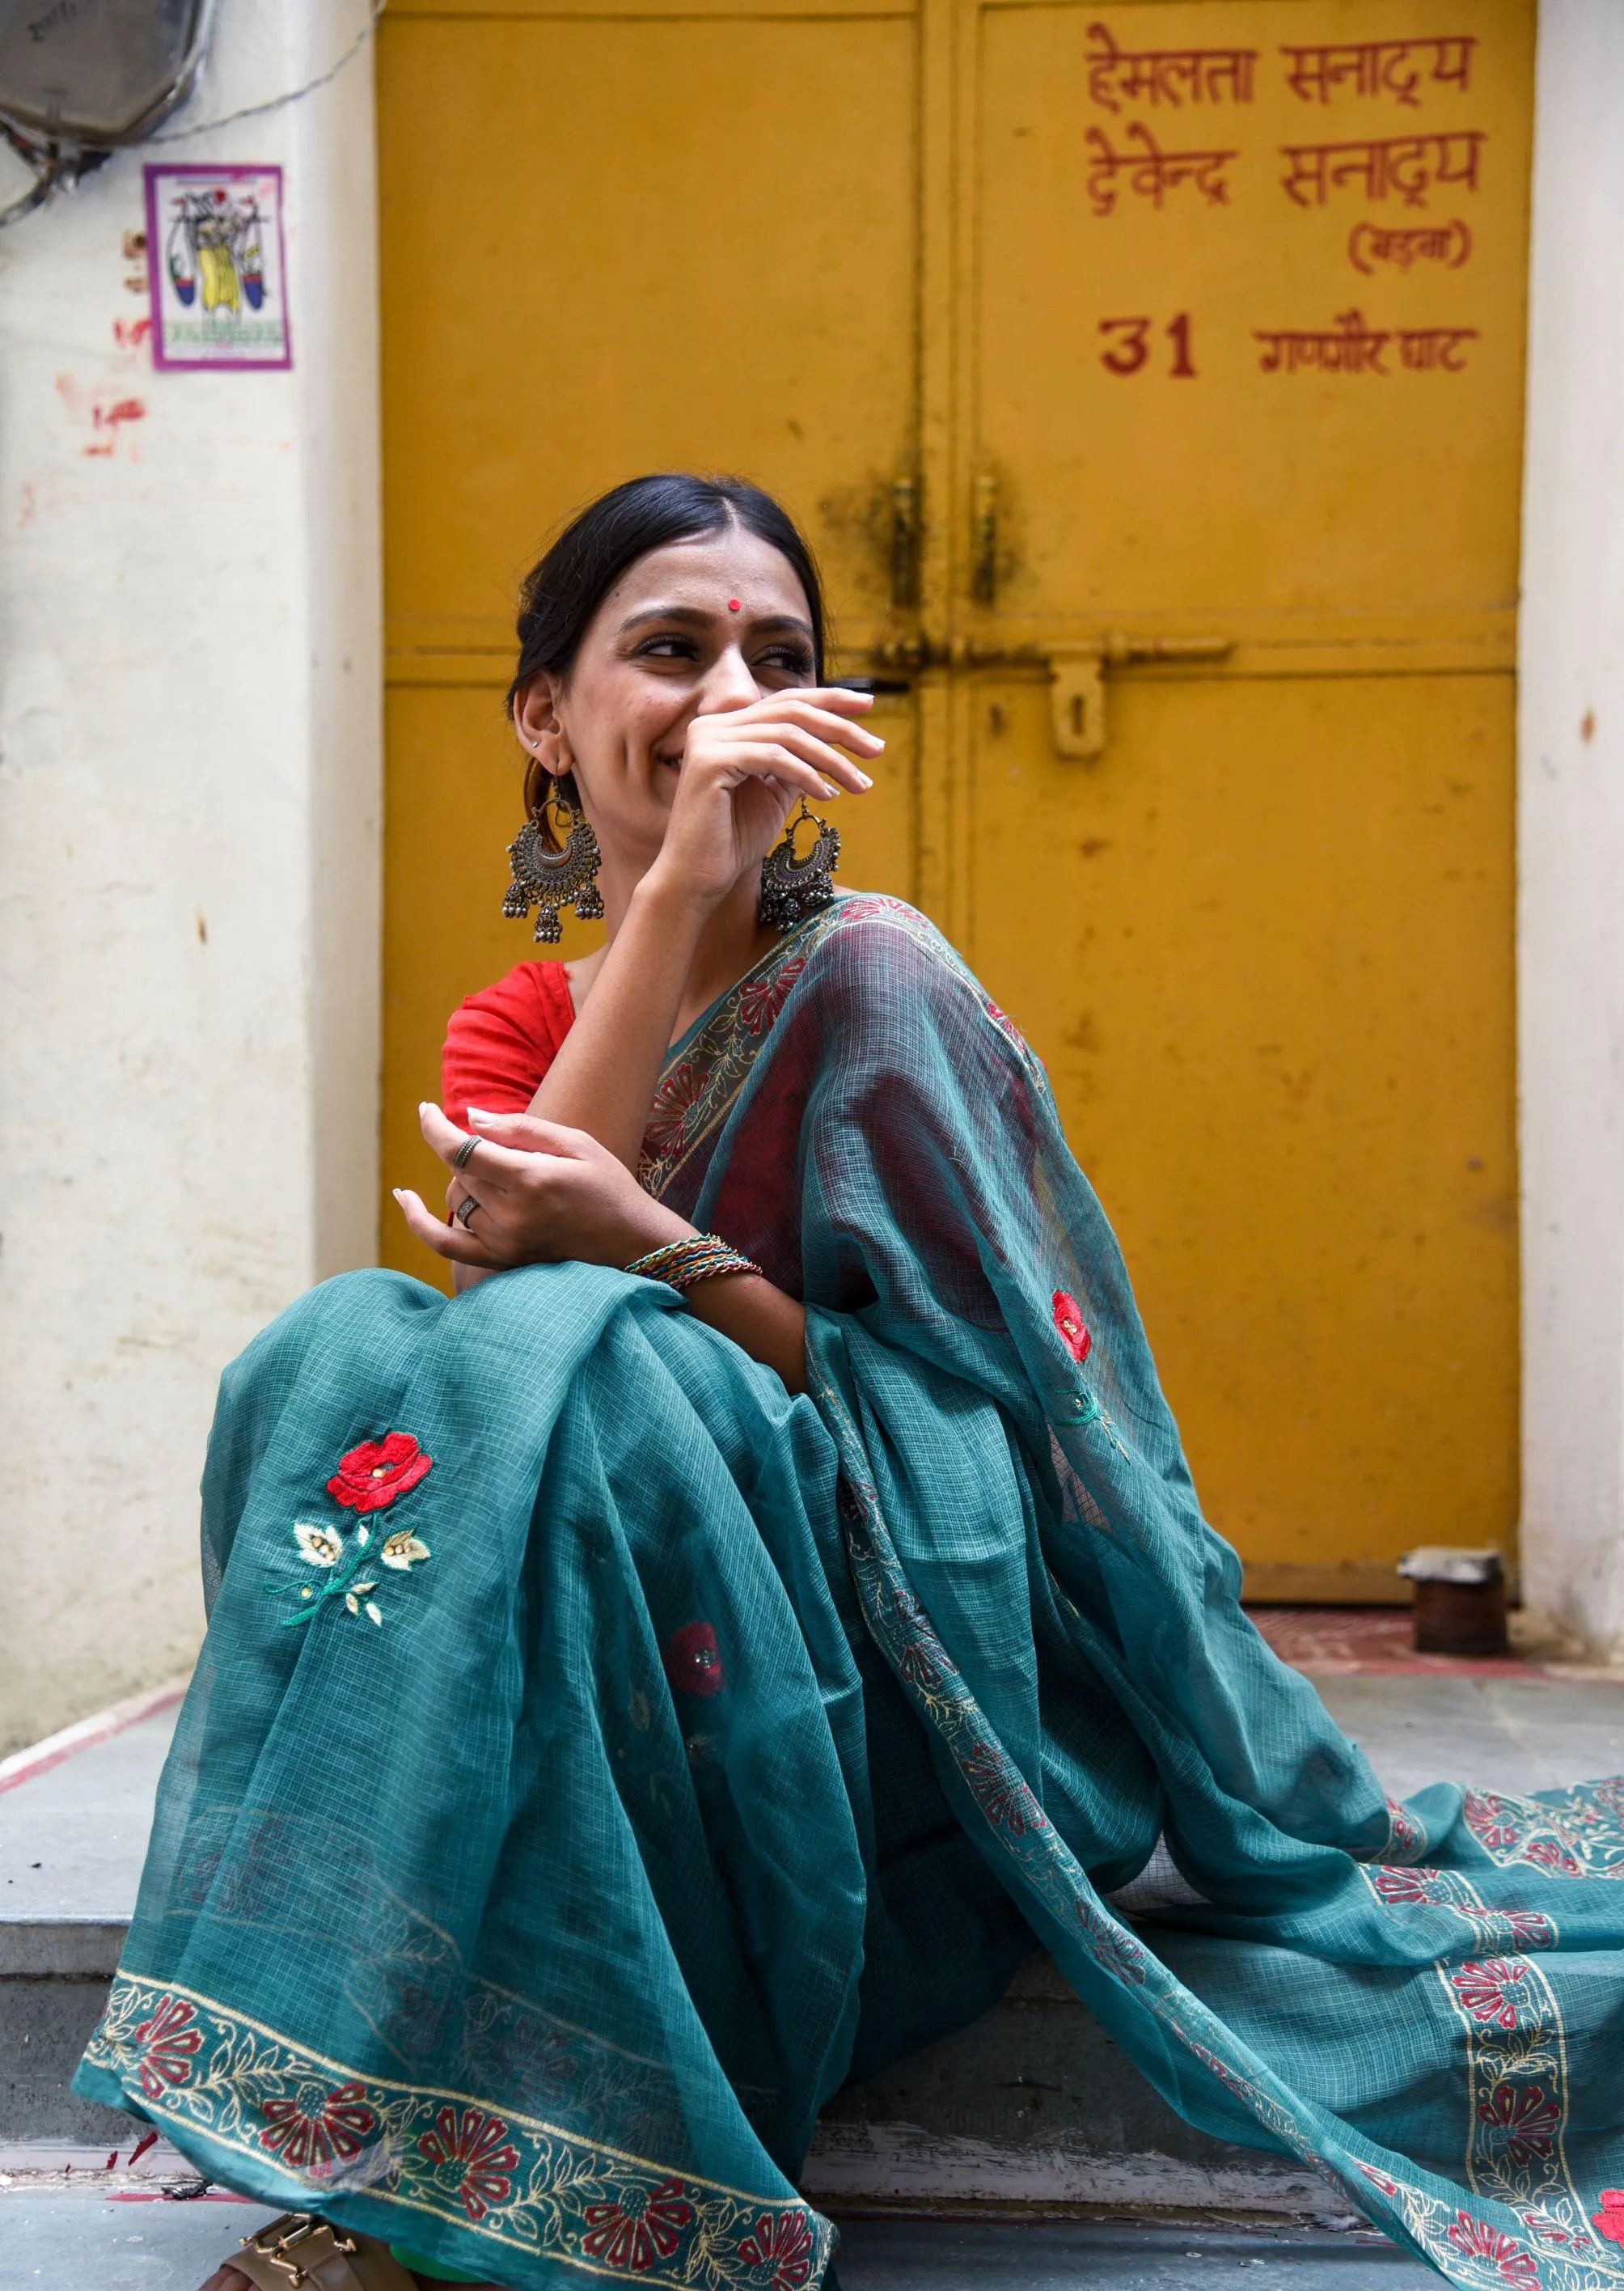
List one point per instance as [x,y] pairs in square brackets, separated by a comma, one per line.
[89,75]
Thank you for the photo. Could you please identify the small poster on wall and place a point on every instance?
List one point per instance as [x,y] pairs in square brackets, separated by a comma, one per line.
[214,257]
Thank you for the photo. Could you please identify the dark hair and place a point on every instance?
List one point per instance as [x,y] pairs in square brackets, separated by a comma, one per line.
[605,539]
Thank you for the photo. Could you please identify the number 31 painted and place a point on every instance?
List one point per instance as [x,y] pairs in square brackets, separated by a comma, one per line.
[1130,346]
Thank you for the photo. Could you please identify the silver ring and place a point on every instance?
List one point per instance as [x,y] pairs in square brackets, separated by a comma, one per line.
[464,1153]
[464,1210]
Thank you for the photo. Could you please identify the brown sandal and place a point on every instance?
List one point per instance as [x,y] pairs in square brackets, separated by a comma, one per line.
[301,2250]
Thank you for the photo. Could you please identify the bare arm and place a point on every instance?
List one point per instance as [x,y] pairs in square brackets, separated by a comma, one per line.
[559,1181]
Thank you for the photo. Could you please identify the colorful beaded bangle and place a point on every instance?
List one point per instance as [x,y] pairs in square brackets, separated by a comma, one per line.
[697,1256]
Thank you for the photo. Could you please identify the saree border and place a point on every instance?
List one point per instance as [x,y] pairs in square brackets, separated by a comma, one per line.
[705,1071]
[515,2181]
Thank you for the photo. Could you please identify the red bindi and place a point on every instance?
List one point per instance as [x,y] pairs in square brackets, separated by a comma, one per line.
[732,604]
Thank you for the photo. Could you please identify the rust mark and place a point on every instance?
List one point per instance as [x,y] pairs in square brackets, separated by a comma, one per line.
[1586,726]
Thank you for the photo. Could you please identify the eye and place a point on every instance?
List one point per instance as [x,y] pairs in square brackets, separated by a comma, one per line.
[668,646]
[788,659]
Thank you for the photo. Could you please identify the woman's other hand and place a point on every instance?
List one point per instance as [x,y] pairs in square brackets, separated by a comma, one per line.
[544,1193]
[743,768]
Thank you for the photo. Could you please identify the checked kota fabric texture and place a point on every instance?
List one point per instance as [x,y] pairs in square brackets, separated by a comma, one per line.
[598,1756]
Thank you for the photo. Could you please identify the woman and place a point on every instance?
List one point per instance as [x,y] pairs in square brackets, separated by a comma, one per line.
[697,1666]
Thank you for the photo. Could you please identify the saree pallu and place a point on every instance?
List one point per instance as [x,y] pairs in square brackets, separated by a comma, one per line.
[597,1755]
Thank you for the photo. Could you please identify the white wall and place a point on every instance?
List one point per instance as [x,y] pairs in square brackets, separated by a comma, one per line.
[1570,950]
[190,799]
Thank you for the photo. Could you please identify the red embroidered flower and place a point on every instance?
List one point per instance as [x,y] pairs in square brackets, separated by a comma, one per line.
[1483,1989]
[1000,1792]
[1499,1824]
[1068,1320]
[168,2045]
[667,1131]
[318,2128]
[638,2226]
[1551,1855]
[1528,2118]
[479,2144]
[1380,2179]
[1610,2220]
[1529,1929]
[783,2242]
[1514,2260]
[1405,1833]
[760,1005]
[693,1660]
[1403,1885]
[378,1471]
[1115,1947]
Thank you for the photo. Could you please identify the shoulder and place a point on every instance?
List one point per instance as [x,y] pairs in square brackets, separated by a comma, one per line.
[500,1041]
[887,963]
[533,995]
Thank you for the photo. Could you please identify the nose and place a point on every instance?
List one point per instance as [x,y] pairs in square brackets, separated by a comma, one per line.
[728,683]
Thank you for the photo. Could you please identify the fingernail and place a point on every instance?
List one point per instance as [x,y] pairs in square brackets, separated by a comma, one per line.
[866,779]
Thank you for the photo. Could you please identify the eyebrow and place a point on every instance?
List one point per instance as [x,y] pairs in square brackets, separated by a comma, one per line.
[695,616]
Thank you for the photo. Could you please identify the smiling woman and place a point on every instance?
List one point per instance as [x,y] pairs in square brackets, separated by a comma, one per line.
[670,643]
[797,1608]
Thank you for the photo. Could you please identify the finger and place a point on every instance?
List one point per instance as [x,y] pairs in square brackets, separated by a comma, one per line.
[795,708]
[797,758]
[498,1165]
[533,1132]
[768,719]
[451,1241]
[840,699]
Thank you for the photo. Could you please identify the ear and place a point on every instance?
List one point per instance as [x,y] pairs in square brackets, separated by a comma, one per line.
[541,732]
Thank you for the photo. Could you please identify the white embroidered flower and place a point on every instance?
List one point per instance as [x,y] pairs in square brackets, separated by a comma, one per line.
[322,1546]
[401,1549]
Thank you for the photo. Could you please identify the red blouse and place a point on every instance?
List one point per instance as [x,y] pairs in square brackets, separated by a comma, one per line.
[501,1042]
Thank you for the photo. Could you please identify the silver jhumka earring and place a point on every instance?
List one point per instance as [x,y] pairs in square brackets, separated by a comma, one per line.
[791,888]
[552,872]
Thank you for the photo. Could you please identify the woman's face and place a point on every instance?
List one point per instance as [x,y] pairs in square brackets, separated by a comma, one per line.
[700,626]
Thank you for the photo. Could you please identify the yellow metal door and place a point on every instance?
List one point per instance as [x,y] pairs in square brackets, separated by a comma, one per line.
[1240,363]
[1148,377]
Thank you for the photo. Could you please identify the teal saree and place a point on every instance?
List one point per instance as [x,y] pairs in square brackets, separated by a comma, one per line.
[598,1756]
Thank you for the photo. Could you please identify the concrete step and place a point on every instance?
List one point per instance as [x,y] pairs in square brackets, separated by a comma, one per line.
[1033,2107]
[52,2240]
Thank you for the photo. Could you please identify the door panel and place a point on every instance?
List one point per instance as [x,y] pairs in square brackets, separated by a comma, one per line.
[1246,371]
[1264,948]
[612,245]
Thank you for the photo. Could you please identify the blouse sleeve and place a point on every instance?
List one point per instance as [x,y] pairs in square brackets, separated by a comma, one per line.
[501,1042]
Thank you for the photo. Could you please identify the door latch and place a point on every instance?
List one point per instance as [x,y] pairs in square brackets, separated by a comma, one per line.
[1076,673]
[1077,682]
